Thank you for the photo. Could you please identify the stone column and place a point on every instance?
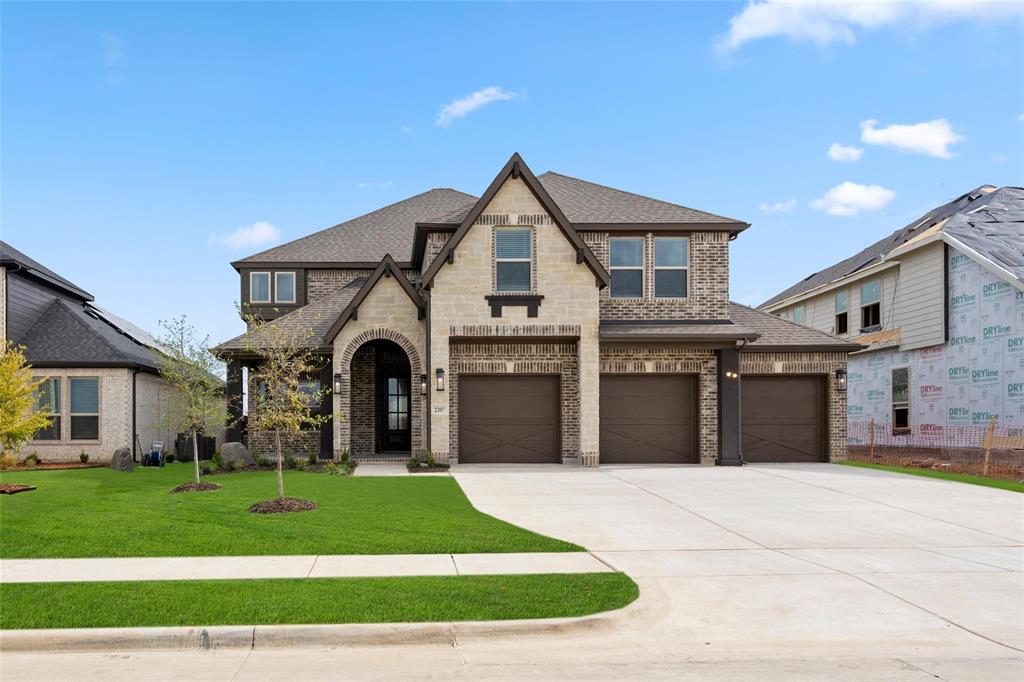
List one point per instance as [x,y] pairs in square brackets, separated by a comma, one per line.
[590,395]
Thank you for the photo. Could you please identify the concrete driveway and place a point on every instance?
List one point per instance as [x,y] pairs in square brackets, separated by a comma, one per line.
[771,572]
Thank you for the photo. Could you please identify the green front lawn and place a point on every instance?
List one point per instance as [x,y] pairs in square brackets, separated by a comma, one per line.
[944,475]
[335,600]
[105,513]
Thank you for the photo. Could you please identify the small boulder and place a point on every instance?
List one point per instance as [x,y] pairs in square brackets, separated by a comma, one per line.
[928,463]
[236,452]
[122,460]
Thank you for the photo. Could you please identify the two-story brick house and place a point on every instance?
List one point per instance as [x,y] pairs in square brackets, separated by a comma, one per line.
[549,320]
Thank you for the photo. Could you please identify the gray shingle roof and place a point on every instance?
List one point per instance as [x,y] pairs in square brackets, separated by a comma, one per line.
[776,332]
[11,256]
[993,227]
[314,320]
[682,331]
[70,333]
[874,253]
[367,238]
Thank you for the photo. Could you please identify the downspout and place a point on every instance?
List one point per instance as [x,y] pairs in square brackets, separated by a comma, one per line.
[135,435]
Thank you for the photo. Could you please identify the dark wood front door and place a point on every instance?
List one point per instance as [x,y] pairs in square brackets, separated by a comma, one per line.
[509,419]
[393,413]
[782,418]
[648,419]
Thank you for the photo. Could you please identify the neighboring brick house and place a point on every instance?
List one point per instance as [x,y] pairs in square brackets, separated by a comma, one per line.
[939,305]
[102,386]
[549,320]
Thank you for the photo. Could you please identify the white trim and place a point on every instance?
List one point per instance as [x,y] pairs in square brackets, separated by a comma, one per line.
[295,293]
[642,268]
[98,414]
[270,297]
[684,268]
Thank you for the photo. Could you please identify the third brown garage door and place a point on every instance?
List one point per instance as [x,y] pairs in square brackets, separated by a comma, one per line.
[648,419]
[508,419]
[782,418]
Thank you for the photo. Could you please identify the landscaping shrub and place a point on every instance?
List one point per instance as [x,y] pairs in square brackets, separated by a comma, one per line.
[31,461]
[311,459]
[84,457]
[236,465]
[205,467]
[218,463]
[289,462]
[8,461]
[261,461]
[169,457]
[430,458]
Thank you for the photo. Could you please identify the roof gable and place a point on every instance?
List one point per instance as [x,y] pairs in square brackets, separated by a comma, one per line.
[516,168]
[11,256]
[387,268]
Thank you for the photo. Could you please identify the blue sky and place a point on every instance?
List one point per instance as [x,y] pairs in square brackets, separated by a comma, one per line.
[137,138]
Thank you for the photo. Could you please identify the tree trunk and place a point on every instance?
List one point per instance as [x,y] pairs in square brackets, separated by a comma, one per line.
[195,451]
[280,467]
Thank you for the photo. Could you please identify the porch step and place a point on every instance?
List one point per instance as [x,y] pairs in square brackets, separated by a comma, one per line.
[382,459]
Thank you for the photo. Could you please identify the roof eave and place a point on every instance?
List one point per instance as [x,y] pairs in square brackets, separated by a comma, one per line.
[822,288]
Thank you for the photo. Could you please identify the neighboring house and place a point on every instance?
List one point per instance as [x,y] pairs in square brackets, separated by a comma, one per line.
[102,386]
[549,320]
[940,306]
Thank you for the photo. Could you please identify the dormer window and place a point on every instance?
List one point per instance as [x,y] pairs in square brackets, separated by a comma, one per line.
[513,262]
[284,287]
[259,287]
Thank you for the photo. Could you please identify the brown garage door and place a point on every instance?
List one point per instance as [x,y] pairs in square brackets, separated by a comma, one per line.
[648,419]
[508,419]
[782,419]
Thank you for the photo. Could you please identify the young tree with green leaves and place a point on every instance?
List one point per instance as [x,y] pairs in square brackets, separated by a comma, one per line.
[19,418]
[193,371]
[281,401]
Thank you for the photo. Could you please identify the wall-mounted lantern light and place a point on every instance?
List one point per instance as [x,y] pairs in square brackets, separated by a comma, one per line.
[841,379]
[439,373]
[423,384]
[729,374]
[337,383]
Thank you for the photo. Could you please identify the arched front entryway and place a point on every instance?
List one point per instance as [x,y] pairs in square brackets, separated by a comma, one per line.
[381,398]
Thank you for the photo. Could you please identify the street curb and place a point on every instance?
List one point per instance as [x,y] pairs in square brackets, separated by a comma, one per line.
[646,607]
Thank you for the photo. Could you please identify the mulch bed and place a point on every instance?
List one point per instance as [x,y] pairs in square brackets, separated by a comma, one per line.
[428,470]
[12,488]
[196,487]
[282,505]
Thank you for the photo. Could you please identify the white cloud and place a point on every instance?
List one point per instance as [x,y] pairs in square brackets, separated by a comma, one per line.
[1021,118]
[999,158]
[931,137]
[367,184]
[839,152]
[779,206]
[114,48]
[407,130]
[249,236]
[470,103]
[824,22]
[850,198]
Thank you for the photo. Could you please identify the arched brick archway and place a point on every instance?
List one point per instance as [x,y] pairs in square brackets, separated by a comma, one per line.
[343,364]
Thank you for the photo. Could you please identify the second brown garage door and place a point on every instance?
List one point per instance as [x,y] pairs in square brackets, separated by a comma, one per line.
[648,419]
[508,419]
[782,419]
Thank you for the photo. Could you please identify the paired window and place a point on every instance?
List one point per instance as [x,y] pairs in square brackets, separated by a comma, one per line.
[842,322]
[799,316]
[85,408]
[513,257]
[901,398]
[627,267]
[671,267]
[870,306]
[283,289]
[48,401]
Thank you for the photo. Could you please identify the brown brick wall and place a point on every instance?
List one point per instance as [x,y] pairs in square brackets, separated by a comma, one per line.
[634,359]
[298,445]
[319,283]
[708,281]
[821,363]
[363,407]
[520,358]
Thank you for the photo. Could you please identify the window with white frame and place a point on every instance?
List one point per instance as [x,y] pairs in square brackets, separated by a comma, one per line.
[627,267]
[85,408]
[799,315]
[842,320]
[870,305]
[513,259]
[671,267]
[901,398]
[259,287]
[48,401]
[284,287]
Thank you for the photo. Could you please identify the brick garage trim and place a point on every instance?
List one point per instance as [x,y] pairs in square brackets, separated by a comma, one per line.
[415,398]
[525,359]
[814,363]
[670,360]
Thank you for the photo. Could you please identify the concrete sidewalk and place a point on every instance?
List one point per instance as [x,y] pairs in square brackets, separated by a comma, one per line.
[299,566]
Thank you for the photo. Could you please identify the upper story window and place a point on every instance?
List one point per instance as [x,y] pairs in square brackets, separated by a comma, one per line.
[799,316]
[513,259]
[85,408]
[284,287]
[259,287]
[627,267]
[48,401]
[870,305]
[842,322]
[671,267]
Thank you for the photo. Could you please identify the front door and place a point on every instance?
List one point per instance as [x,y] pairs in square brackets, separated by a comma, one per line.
[394,413]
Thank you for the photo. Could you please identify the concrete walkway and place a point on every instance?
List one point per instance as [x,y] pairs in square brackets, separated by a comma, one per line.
[299,566]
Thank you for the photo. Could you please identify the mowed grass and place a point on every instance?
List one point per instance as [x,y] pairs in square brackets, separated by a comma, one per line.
[944,475]
[105,513]
[338,600]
